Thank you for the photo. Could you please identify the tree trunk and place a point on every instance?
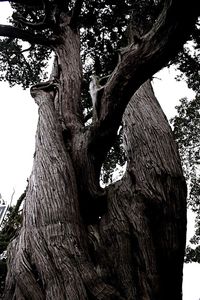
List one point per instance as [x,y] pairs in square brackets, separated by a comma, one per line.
[144,229]
[79,241]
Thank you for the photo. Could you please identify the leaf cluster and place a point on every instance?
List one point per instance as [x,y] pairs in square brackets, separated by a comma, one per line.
[18,66]
[187,134]
[188,61]
[192,255]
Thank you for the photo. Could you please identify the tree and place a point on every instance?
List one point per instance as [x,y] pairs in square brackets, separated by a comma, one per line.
[78,240]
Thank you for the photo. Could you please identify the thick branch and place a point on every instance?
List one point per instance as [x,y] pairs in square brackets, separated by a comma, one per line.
[140,60]
[12,32]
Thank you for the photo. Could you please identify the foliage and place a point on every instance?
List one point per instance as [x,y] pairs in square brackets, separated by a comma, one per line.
[188,61]
[187,133]
[18,66]
[192,255]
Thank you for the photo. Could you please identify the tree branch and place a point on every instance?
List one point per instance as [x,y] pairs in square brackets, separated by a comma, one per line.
[139,61]
[12,32]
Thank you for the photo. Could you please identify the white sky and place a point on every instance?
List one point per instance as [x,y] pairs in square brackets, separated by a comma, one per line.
[18,121]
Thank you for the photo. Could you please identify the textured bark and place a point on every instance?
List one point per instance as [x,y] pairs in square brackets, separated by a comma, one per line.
[77,240]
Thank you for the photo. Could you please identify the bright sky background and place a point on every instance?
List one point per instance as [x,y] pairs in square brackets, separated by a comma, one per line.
[18,122]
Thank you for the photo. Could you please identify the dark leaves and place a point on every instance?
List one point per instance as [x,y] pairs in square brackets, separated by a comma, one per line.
[22,67]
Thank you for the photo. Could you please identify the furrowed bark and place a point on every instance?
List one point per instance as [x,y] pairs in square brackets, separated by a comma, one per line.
[70,76]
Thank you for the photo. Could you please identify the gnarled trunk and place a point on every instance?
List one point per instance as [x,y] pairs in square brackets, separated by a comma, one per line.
[79,241]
